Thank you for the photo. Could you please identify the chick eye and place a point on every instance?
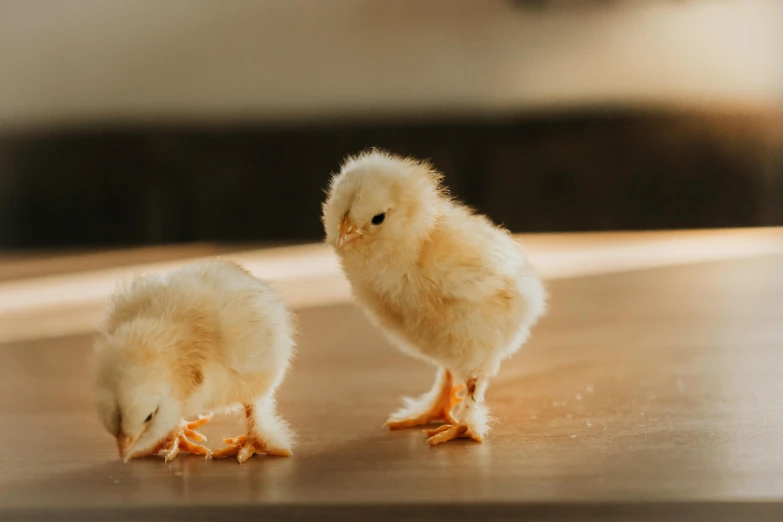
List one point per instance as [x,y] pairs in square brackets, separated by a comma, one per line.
[378,218]
[150,416]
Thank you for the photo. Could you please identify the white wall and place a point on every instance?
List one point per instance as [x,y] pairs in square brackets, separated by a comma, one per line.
[83,60]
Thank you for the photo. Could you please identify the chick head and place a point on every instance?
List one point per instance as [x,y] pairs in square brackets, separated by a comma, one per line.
[378,200]
[133,387]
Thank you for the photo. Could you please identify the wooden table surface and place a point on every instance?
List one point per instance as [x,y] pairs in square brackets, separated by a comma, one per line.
[644,395]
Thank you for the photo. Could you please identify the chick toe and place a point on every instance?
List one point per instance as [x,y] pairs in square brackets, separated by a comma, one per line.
[439,429]
[192,425]
[190,434]
[177,440]
[233,441]
[449,432]
[234,446]
[185,445]
[245,447]
[439,412]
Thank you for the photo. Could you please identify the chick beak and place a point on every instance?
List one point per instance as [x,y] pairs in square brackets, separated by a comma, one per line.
[124,446]
[347,233]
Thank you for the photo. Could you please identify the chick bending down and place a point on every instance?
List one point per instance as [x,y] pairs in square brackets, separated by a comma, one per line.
[207,337]
[444,284]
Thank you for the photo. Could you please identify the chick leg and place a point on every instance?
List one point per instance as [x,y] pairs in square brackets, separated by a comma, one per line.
[177,440]
[266,433]
[474,418]
[433,406]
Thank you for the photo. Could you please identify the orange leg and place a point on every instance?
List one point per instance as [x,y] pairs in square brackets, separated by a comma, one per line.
[449,432]
[178,440]
[247,445]
[426,410]
[474,419]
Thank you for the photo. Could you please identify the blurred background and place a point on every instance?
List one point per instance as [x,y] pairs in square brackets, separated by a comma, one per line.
[166,121]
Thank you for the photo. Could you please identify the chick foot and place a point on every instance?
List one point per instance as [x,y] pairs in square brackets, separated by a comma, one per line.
[246,446]
[440,411]
[449,432]
[177,440]
[474,418]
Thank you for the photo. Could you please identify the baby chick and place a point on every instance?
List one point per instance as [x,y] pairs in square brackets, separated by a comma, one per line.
[444,284]
[208,336]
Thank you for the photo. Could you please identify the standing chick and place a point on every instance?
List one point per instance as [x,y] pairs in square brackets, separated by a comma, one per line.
[208,336]
[444,284]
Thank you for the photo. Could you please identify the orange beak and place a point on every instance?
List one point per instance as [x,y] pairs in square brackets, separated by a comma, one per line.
[347,233]
[124,446]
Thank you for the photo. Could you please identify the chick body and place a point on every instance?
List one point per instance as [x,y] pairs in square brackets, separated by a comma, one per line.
[206,337]
[464,303]
[444,284]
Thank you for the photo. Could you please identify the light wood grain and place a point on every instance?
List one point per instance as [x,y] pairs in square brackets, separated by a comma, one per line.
[647,395]
[69,299]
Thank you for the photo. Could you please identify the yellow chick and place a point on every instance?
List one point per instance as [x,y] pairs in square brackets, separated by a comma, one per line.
[444,284]
[206,337]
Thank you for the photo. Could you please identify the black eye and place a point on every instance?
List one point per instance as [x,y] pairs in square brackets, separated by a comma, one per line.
[150,416]
[378,218]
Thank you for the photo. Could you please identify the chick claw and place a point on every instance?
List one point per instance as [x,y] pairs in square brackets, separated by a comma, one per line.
[189,428]
[245,447]
[449,432]
[178,440]
[440,412]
